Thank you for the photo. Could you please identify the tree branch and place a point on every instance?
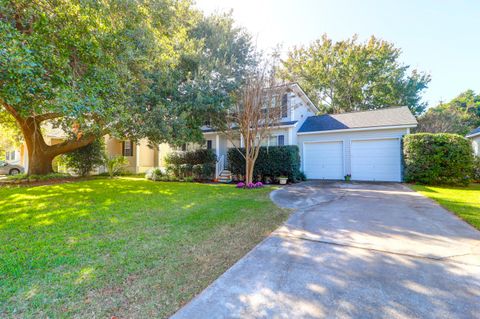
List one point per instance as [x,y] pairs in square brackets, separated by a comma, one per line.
[47,116]
[12,111]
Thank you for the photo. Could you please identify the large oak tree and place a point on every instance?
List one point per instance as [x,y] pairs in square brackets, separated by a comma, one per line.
[131,69]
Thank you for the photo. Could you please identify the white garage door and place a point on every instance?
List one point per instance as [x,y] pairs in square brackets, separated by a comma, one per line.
[376,160]
[323,160]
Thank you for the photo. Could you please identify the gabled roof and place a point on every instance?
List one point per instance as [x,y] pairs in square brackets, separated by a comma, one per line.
[475,132]
[392,116]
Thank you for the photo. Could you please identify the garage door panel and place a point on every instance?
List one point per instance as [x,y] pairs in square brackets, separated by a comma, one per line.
[323,160]
[376,160]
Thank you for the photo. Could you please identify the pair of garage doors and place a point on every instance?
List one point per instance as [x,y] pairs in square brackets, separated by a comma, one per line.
[369,160]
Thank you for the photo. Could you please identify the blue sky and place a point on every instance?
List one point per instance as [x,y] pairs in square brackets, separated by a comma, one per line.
[440,37]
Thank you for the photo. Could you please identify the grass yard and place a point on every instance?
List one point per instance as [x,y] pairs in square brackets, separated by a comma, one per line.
[463,201]
[126,247]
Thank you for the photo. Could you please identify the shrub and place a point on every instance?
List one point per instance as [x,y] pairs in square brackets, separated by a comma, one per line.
[83,160]
[115,164]
[199,164]
[241,185]
[438,159]
[272,162]
[34,178]
[476,169]
[154,174]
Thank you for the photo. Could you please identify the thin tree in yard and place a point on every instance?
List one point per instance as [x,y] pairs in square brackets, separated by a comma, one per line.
[258,109]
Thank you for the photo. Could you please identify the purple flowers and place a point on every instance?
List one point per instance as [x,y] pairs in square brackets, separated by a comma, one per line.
[250,185]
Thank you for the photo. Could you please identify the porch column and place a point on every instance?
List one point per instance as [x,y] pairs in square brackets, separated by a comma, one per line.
[137,158]
[159,158]
[241,140]
[290,137]
[217,145]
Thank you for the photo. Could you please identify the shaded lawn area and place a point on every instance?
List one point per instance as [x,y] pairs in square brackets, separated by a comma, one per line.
[463,201]
[125,247]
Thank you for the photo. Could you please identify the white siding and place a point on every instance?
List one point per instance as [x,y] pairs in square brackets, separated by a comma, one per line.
[476,145]
[347,137]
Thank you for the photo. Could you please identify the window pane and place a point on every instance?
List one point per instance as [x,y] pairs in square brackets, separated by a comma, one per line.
[127,148]
[285,105]
[209,144]
[281,140]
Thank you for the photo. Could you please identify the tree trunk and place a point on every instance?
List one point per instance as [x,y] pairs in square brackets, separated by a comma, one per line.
[39,164]
[249,171]
[41,155]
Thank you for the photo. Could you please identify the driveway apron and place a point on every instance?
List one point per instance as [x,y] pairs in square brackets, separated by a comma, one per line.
[353,250]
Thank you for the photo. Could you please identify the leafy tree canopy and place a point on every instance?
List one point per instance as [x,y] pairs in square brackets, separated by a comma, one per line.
[132,69]
[349,75]
[460,115]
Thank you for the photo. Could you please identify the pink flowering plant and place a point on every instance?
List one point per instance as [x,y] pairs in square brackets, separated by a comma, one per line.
[250,185]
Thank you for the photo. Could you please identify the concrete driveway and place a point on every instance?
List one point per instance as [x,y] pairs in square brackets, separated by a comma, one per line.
[354,250]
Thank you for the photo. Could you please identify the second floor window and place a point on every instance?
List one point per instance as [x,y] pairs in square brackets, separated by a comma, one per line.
[127,148]
[285,105]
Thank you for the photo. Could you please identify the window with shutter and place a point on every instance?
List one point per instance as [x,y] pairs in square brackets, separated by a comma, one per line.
[285,105]
[127,148]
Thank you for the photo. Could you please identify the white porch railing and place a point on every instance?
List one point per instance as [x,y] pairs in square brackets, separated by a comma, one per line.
[220,166]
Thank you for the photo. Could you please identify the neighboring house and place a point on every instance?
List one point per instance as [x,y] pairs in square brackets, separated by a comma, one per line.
[365,145]
[475,137]
[13,156]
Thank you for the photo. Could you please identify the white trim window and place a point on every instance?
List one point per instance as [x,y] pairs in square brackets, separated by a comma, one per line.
[276,140]
[127,148]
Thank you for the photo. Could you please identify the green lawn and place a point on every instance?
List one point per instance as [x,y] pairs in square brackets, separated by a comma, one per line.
[463,201]
[125,247]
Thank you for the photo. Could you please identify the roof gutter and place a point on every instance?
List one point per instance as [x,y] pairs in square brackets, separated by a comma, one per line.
[371,128]
[472,135]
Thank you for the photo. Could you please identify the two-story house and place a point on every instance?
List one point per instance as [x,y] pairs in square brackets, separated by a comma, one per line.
[365,145]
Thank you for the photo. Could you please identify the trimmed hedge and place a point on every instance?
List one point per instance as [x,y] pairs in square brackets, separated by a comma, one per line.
[201,156]
[272,162]
[199,164]
[438,159]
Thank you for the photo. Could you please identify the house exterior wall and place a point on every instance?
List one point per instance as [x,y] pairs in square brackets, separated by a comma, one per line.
[346,138]
[476,145]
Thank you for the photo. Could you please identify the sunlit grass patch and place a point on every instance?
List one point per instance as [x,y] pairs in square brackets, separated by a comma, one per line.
[463,201]
[125,247]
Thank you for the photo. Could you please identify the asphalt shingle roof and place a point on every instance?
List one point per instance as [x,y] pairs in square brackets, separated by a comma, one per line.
[475,131]
[391,116]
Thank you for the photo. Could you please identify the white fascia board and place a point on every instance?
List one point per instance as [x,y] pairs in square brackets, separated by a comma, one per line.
[304,95]
[472,135]
[374,128]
